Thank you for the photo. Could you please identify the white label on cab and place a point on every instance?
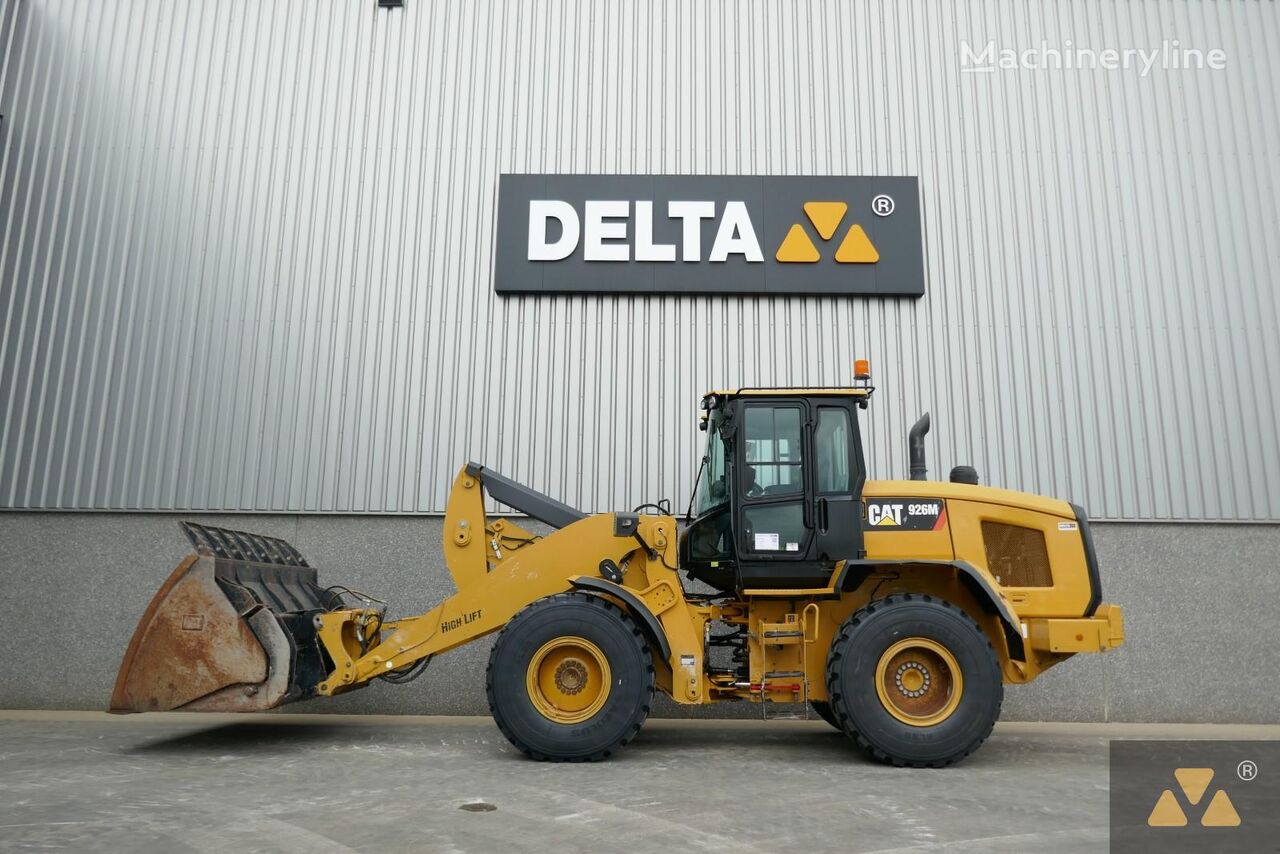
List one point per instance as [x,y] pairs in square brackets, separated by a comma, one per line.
[766,542]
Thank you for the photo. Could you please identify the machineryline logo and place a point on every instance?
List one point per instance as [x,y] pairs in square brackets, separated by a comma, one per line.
[1068,56]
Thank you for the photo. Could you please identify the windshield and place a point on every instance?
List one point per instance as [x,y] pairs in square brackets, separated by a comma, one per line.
[713,486]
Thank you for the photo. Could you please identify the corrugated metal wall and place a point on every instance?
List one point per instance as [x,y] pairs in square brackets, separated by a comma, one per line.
[246,247]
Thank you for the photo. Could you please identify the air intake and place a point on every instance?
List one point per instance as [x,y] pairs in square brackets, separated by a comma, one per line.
[1016,556]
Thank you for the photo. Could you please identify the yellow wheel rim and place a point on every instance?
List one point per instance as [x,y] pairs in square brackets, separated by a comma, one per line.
[568,680]
[919,682]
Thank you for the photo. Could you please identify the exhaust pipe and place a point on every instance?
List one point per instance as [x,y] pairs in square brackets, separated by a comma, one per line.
[915,447]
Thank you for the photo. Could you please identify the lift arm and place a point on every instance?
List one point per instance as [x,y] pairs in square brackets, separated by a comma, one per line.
[499,568]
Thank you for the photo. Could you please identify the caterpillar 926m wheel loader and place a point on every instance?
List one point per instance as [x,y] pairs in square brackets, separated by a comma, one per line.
[896,610]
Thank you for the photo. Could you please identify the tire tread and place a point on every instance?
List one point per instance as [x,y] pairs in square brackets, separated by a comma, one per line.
[839,648]
[637,722]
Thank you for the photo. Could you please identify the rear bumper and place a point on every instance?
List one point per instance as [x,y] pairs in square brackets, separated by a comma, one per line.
[1099,633]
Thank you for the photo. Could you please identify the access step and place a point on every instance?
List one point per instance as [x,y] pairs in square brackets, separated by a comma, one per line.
[782,634]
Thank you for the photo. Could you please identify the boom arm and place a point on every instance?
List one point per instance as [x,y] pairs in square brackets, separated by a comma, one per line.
[499,568]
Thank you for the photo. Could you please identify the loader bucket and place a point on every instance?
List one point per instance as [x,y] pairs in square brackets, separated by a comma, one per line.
[231,630]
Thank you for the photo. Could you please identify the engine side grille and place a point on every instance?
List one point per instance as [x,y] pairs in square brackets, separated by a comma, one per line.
[1016,556]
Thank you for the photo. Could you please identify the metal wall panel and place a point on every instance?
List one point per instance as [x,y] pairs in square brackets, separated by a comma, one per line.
[246,248]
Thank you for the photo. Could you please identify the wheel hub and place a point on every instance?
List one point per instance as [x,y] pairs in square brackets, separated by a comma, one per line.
[571,676]
[568,679]
[912,679]
[919,682]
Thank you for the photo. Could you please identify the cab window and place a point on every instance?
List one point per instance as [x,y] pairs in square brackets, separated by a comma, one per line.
[772,481]
[713,486]
[772,452]
[831,451]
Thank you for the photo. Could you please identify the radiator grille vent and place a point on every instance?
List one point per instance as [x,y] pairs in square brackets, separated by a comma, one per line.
[1016,556]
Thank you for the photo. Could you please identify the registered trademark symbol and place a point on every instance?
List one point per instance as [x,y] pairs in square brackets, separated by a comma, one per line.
[1247,770]
[882,205]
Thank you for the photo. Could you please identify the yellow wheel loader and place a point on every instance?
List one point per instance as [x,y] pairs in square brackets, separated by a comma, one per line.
[895,610]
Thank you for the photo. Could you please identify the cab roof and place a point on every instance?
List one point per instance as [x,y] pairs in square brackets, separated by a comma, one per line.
[825,391]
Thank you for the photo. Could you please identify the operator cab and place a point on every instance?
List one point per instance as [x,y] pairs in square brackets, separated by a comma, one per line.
[778,495]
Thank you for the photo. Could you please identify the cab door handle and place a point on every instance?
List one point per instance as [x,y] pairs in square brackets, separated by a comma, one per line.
[823,515]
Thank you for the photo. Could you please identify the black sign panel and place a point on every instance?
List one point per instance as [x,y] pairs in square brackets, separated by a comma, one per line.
[906,514]
[709,234]
[1194,796]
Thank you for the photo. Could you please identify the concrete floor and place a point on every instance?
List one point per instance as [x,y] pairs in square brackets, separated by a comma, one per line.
[317,784]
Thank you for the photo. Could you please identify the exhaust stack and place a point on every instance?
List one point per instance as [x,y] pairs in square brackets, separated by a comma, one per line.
[915,447]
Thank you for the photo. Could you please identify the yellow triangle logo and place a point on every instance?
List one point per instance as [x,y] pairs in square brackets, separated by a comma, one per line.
[856,248]
[1167,813]
[1220,812]
[887,520]
[825,216]
[1193,782]
[797,248]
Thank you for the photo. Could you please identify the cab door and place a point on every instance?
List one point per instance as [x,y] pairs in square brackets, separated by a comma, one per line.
[797,483]
[837,481]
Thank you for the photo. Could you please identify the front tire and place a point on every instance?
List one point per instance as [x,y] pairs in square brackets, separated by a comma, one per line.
[570,679]
[914,681]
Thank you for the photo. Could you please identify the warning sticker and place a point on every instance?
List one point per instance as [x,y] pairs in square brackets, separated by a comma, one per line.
[906,514]
[766,542]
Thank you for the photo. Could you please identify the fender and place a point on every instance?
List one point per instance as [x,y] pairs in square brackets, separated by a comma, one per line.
[648,622]
[1090,561]
[972,577]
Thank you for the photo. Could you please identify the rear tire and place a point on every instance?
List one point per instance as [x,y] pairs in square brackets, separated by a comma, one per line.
[570,679]
[914,681]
